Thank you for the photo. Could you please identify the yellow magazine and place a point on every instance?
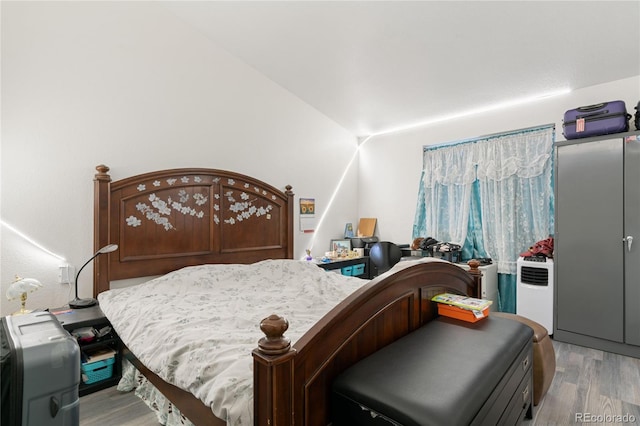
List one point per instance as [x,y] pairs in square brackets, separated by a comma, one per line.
[463,302]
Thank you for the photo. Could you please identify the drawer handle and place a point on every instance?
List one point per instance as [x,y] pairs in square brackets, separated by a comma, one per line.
[525,396]
[525,363]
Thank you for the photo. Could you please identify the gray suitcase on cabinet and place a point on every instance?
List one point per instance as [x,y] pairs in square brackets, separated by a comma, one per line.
[40,372]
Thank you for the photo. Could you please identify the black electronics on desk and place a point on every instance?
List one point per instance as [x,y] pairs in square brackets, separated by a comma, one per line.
[363,242]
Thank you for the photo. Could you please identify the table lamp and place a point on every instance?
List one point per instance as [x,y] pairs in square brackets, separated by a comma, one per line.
[78,303]
[19,289]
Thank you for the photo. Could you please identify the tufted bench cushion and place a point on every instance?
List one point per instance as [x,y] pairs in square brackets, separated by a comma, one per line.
[446,372]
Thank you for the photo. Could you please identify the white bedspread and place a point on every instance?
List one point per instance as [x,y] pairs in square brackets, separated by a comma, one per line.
[196,327]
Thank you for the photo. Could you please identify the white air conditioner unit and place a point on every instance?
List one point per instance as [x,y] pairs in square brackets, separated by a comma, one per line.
[534,297]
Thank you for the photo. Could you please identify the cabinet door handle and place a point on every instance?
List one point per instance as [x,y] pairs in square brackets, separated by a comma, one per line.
[629,240]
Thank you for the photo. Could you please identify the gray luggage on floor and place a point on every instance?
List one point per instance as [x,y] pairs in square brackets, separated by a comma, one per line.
[40,372]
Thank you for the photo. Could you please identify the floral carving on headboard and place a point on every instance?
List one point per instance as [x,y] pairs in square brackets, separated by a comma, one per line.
[245,208]
[159,210]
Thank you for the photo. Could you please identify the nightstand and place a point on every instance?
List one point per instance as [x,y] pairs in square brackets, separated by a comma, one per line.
[74,319]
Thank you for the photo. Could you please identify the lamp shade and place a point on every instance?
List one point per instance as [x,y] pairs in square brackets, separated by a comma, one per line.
[108,249]
[21,286]
[19,289]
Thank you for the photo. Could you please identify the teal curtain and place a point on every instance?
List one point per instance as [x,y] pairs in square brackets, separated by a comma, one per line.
[493,195]
[473,247]
[507,287]
[419,220]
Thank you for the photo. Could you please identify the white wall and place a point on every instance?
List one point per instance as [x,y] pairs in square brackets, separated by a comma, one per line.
[390,166]
[133,88]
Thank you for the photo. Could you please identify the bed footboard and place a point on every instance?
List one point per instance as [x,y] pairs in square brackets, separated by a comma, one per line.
[292,384]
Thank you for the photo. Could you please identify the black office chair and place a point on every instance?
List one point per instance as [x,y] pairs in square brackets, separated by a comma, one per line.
[384,255]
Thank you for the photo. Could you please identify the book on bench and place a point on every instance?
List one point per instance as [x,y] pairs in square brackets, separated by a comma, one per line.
[464,308]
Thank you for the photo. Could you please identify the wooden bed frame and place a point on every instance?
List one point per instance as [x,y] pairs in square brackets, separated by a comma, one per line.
[169,219]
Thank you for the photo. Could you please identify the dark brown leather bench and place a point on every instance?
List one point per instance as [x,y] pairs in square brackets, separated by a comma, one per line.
[448,372]
[544,356]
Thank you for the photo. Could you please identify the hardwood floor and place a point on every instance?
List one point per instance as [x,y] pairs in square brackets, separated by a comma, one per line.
[109,407]
[588,383]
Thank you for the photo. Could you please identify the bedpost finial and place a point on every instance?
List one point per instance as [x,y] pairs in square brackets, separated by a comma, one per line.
[274,343]
[103,171]
[474,267]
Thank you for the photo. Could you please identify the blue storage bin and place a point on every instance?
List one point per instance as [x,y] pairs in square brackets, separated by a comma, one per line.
[347,270]
[96,371]
[358,269]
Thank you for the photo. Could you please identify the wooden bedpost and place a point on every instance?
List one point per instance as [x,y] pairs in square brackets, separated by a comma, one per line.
[273,375]
[289,193]
[101,206]
[476,273]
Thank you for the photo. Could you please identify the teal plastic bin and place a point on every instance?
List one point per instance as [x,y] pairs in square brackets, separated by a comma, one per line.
[347,270]
[358,269]
[97,371]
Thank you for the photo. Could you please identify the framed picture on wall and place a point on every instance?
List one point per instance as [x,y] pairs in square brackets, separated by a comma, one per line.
[341,248]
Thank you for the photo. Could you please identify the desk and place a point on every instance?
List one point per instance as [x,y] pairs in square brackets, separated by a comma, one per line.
[345,264]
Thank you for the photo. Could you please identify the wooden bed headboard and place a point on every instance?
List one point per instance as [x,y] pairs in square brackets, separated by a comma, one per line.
[169,219]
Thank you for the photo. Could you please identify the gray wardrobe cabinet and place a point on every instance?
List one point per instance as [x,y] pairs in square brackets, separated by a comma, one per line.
[597,243]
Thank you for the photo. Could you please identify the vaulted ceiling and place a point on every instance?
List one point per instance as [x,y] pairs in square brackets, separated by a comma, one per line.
[376,65]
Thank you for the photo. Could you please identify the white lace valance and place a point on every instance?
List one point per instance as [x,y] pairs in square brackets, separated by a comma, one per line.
[524,155]
[452,165]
